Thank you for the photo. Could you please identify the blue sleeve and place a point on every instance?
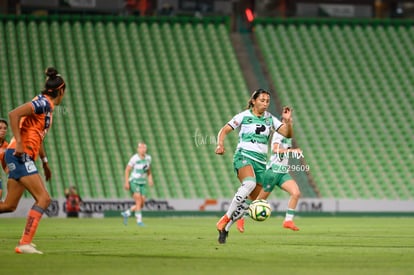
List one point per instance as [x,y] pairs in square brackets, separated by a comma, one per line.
[41,105]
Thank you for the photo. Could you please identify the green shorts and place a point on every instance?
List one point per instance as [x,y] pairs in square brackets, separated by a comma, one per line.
[239,161]
[136,186]
[271,179]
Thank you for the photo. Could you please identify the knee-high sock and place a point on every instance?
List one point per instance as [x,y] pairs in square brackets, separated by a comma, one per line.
[236,206]
[33,218]
[239,215]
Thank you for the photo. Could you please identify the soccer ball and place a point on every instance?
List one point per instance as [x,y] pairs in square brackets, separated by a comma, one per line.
[260,210]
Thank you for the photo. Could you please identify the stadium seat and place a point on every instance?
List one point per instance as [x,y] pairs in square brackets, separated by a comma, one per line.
[164,81]
[132,80]
[355,95]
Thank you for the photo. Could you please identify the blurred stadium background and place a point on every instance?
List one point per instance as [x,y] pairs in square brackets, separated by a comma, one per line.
[172,73]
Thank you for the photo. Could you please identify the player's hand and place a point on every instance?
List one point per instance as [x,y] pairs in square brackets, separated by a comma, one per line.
[297,150]
[48,172]
[220,149]
[18,151]
[126,186]
[287,114]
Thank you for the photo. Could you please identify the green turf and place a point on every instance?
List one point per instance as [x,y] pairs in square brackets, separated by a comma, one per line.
[189,245]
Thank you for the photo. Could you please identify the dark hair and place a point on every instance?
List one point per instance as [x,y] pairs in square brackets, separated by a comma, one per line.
[255,95]
[54,82]
[4,121]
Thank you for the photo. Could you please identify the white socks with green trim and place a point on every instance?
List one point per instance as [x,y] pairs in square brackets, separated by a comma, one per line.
[237,207]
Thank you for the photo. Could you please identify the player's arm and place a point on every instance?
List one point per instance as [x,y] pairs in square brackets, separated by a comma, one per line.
[15,116]
[150,180]
[5,169]
[220,138]
[277,149]
[4,165]
[127,172]
[42,155]
[286,129]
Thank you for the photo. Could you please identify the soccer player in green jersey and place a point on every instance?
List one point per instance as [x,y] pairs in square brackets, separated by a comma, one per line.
[249,160]
[277,174]
[137,175]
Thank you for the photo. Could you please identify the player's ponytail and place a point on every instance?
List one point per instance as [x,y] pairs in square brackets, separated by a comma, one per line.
[254,96]
[54,82]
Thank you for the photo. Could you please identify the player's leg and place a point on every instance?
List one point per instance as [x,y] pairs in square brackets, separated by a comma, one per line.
[248,182]
[250,198]
[259,171]
[15,188]
[292,188]
[255,192]
[263,195]
[237,206]
[139,202]
[127,213]
[34,184]
[247,177]
[14,193]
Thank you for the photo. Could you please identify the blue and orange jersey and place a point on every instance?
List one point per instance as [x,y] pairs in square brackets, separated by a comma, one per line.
[33,128]
[3,148]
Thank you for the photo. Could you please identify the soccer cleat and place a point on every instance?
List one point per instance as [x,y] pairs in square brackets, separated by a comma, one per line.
[125,215]
[221,224]
[240,225]
[140,224]
[223,234]
[27,249]
[290,225]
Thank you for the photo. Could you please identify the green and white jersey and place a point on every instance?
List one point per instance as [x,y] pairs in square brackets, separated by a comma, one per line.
[140,168]
[279,161]
[254,133]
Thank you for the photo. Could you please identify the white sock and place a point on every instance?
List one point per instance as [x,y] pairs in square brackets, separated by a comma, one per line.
[234,218]
[227,228]
[236,206]
[138,215]
[290,213]
[128,212]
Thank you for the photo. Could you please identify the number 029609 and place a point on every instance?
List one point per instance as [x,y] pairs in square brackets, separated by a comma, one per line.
[298,168]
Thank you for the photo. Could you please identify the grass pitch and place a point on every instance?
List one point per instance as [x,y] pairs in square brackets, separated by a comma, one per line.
[189,246]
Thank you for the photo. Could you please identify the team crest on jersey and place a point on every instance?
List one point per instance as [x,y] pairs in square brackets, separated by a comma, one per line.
[267,121]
